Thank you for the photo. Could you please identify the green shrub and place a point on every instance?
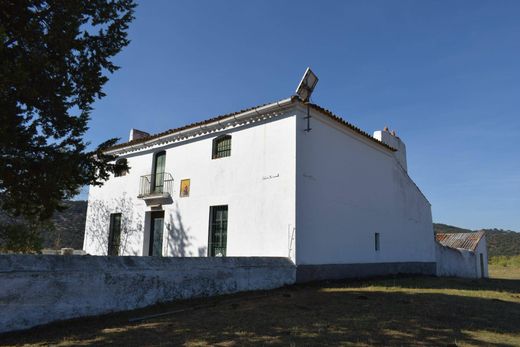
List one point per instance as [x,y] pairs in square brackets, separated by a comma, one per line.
[505,261]
[20,238]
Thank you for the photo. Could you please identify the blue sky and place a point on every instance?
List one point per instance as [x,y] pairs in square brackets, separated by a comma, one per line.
[444,74]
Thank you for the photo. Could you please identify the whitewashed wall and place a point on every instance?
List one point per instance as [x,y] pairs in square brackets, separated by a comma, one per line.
[38,289]
[349,188]
[482,249]
[453,262]
[257,182]
[329,188]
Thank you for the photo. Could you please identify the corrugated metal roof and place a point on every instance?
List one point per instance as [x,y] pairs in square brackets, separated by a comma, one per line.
[467,241]
[293,99]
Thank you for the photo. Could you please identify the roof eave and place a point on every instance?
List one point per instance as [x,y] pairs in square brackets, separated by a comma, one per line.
[204,127]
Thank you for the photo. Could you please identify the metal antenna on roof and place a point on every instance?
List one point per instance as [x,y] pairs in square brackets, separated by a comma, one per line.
[304,92]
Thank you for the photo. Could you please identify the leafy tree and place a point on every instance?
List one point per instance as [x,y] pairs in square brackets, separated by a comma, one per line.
[20,237]
[54,58]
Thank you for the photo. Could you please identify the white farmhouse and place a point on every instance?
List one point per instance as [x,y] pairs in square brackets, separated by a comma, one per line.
[288,179]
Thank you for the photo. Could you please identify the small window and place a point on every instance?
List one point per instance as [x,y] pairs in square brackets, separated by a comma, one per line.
[376,241]
[120,171]
[114,235]
[222,147]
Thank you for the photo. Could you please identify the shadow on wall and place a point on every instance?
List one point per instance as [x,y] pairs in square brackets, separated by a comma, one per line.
[98,224]
[179,241]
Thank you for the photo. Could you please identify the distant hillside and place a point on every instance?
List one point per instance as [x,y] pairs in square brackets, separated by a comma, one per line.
[500,242]
[69,227]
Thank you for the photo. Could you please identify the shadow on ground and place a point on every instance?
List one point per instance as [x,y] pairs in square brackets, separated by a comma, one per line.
[400,311]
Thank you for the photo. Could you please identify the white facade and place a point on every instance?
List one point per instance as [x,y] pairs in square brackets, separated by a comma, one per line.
[481,260]
[350,188]
[257,183]
[317,196]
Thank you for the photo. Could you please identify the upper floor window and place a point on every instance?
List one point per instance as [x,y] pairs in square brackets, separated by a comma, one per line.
[222,147]
[118,170]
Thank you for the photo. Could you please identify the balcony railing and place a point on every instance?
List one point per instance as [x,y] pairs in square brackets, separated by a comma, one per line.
[156,185]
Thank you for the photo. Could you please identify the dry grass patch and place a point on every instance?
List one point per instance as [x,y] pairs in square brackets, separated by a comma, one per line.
[407,311]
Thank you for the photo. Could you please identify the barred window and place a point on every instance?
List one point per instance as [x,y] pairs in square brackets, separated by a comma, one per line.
[118,170]
[222,147]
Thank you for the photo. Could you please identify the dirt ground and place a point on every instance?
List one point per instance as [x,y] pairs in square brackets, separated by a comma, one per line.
[401,311]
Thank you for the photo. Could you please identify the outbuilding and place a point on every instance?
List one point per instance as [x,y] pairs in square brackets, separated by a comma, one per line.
[462,254]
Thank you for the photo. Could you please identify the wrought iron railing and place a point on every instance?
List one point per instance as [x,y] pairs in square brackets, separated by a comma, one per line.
[160,183]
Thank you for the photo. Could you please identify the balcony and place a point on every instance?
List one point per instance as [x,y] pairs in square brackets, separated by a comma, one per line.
[156,189]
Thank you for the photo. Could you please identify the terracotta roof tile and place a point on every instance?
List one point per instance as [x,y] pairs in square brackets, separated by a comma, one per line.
[192,125]
[220,117]
[349,125]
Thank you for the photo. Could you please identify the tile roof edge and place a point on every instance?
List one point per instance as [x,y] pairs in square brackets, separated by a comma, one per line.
[194,125]
[349,125]
[288,101]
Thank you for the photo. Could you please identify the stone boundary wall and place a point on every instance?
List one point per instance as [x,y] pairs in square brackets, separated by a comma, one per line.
[38,289]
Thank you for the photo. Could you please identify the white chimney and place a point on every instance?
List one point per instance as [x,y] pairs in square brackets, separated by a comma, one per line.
[391,139]
[137,134]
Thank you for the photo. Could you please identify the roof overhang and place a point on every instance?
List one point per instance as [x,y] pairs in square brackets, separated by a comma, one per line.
[202,128]
[219,123]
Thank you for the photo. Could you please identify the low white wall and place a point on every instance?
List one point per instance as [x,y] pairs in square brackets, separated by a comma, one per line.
[455,262]
[38,289]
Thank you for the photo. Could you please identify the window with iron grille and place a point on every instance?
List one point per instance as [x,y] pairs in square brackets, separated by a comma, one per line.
[376,241]
[119,171]
[114,235]
[222,147]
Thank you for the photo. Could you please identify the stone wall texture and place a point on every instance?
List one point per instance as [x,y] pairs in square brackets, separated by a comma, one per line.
[38,289]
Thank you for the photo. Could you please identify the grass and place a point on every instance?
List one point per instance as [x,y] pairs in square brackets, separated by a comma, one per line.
[505,267]
[401,311]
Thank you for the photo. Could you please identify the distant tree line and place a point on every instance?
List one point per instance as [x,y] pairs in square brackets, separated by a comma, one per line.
[500,242]
[64,229]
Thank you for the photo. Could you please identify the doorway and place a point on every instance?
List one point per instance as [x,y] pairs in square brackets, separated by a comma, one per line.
[482,272]
[218,219]
[156,233]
